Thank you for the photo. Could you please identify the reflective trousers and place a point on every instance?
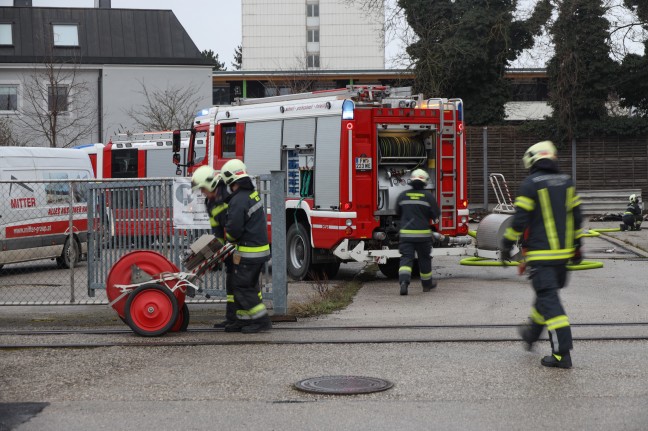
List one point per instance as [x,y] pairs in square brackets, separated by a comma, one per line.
[248,304]
[548,311]
[422,250]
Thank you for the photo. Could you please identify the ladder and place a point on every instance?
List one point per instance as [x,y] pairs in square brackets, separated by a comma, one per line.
[355,92]
[504,201]
[447,162]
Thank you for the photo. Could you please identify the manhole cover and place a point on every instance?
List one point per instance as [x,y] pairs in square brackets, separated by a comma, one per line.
[343,385]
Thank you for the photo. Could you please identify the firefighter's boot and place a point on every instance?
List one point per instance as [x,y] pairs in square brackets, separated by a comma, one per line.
[557,361]
[429,285]
[527,337]
[623,227]
[223,324]
[236,326]
[403,287]
[263,324]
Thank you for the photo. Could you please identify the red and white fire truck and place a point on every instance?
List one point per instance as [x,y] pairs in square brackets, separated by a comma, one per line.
[347,155]
[132,215]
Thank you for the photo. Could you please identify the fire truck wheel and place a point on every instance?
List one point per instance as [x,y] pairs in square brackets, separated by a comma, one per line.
[299,251]
[151,310]
[65,259]
[182,322]
[390,269]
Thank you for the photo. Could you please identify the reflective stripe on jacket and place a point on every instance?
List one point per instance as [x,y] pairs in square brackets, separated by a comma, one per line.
[416,208]
[247,224]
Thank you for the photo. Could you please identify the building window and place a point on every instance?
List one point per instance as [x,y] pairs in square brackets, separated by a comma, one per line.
[8,97]
[312,10]
[66,34]
[313,60]
[57,98]
[313,35]
[6,34]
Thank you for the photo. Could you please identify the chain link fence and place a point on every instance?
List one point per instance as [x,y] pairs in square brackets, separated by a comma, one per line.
[59,239]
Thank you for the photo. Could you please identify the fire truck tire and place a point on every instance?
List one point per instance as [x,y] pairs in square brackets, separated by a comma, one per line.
[65,259]
[151,310]
[390,269]
[182,322]
[299,251]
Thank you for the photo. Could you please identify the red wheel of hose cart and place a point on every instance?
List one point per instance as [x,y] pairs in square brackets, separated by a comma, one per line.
[151,310]
[150,262]
[182,322]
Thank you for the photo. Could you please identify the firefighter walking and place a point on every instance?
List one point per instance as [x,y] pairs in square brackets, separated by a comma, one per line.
[246,228]
[416,208]
[632,216]
[548,220]
[212,186]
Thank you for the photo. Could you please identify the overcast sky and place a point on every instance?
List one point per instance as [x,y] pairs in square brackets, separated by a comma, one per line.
[212,24]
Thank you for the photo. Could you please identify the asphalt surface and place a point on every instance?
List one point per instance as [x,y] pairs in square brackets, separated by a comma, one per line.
[452,355]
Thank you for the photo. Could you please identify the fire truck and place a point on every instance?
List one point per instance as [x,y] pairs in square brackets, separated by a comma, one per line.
[347,155]
[132,215]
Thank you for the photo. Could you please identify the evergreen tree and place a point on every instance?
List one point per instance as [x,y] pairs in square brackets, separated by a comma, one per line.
[581,71]
[238,58]
[213,59]
[464,48]
[632,87]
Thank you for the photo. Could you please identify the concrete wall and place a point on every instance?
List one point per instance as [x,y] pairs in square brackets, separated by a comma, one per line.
[122,88]
[23,76]
[275,36]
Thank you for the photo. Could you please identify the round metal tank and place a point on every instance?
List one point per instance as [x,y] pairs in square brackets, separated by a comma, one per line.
[491,230]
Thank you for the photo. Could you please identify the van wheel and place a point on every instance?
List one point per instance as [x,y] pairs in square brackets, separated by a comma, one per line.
[65,259]
[299,251]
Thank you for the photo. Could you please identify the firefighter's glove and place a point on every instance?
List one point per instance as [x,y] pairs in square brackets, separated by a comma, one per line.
[505,251]
[578,256]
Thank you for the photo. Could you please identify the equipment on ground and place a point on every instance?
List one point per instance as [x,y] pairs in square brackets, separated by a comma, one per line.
[148,291]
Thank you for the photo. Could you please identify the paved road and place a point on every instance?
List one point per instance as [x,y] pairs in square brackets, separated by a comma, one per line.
[462,374]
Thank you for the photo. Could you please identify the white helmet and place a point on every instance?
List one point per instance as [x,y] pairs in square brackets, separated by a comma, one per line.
[633,198]
[420,175]
[205,177]
[541,150]
[233,171]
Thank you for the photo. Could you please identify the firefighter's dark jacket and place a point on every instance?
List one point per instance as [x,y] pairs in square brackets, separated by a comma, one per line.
[415,208]
[547,216]
[246,222]
[217,210]
[634,209]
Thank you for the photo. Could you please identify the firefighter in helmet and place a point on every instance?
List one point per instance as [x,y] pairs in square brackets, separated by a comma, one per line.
[247,229]
[548,220]
[416,207]
[212,186]
[632,216]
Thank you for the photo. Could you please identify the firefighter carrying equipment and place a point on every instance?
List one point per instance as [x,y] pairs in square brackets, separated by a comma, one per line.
[233,171]
[205,177]
[541,150]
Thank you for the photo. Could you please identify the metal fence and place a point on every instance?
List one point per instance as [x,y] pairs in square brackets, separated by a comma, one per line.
[60,239]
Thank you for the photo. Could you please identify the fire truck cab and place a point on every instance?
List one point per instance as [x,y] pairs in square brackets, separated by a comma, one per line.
[347,155]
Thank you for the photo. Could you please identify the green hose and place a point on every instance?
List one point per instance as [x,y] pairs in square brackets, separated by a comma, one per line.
[483,261]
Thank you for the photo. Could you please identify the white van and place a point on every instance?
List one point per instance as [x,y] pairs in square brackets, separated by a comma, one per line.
[35,214]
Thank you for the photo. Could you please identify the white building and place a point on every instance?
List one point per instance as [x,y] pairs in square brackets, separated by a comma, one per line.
[285,35]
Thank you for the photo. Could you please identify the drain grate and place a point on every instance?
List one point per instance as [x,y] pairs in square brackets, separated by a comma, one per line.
[343,385]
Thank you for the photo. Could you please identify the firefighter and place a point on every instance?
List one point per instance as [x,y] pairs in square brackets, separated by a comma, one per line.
[632,216]
[415,208]
[246,228]
[548,219]
[210,183]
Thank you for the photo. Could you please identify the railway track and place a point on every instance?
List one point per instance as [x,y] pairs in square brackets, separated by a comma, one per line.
[283,335]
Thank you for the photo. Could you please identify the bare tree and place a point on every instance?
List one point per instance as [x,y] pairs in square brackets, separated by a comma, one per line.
[58,106]
[7,136]
[299,79]
[173,107]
